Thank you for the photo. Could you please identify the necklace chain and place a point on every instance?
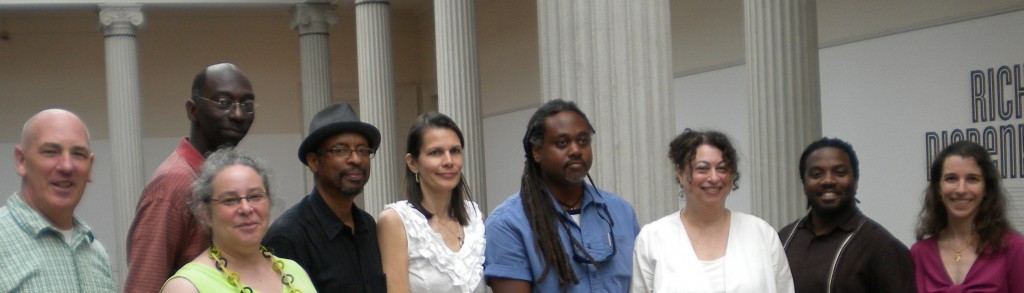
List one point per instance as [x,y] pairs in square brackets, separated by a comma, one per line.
[958,251]
[571,207]
[457,235]
[233,278]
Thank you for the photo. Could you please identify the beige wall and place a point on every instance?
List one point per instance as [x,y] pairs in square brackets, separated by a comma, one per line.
[509,52]
[55,56]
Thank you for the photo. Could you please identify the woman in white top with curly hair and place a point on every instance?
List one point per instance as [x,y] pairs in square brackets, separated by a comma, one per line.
[706,247]
[434,241]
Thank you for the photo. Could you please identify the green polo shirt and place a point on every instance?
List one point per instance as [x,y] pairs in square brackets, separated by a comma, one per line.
[35,258]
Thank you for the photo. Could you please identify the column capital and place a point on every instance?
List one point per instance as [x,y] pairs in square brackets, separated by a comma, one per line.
[313,18]
[120,19]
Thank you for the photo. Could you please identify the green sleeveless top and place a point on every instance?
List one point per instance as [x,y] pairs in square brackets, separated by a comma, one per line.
[208,279]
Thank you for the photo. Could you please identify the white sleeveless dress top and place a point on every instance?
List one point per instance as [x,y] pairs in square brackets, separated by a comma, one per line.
[433,267]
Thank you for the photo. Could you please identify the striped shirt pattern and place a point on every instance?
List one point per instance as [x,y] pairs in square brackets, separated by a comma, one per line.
[164,235]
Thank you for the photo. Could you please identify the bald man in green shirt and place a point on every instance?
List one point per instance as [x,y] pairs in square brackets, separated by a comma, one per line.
[43,246]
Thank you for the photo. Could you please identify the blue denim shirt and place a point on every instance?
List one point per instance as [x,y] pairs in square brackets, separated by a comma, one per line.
[511,252]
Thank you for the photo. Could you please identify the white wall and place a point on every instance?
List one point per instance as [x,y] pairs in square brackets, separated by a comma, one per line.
[882,95]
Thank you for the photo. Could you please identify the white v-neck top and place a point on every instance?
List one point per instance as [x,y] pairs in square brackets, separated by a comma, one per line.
[664,260]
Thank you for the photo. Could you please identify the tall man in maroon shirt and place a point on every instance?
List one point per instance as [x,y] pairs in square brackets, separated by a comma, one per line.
[164,236]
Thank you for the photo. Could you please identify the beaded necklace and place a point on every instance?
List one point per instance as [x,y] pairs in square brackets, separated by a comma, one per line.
[233,278]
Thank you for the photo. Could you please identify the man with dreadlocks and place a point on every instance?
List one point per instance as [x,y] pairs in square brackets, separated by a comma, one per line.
[559,233]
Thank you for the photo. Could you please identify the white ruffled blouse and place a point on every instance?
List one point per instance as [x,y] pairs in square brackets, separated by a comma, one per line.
[433,267]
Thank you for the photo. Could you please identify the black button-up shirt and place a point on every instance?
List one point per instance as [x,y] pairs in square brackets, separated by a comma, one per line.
[872,261]
[310,234]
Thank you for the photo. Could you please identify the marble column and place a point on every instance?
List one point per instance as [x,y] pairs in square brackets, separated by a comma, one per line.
[119,24]
[313,20]
[377,101]
[458,85]
[613,58]
[785,102]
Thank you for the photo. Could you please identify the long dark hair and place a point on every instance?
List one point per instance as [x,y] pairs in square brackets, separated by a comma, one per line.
[990,221]
[456,207]
[537,204]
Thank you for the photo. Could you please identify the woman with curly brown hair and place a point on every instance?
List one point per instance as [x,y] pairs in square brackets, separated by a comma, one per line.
[965,243]
[705,247]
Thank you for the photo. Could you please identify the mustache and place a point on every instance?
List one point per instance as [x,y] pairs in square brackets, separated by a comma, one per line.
[352,170]
[574,161]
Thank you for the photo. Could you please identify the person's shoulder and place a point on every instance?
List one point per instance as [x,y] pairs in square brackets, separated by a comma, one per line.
[291,222]
[923,244]
[748,219]
[878,231]
[513,205]
[389,217]
[1013,240]
[751,222]
[665,222]
[616,202]
[792,225]
[179,284]
[509,213]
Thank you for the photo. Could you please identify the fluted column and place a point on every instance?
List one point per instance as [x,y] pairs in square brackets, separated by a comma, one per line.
[613,58]
[785,102]
[119,23]
[458,85]
[313,21]
[377,100]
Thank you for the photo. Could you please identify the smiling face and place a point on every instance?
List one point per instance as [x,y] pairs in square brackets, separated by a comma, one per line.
[244,223]
[219,127]
[962,187]
[336,176]
[564,155]
[829,183]
[439,164]
[55,164]
[707,179]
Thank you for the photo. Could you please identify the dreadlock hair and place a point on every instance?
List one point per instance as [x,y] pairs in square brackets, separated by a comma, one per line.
[456,206]
[537,205]
[990,220]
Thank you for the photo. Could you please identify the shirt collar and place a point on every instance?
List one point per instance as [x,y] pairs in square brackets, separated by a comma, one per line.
[849,221]
[332,226]
[33,223]
[591,195]
[190,154]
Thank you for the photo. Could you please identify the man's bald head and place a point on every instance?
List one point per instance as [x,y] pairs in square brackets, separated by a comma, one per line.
[31,127]
[55,164]
[199,82]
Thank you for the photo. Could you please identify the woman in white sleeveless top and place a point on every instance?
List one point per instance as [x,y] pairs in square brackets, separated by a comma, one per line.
[434,241]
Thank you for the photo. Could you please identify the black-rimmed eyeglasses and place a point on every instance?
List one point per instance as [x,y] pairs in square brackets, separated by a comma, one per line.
[346,152]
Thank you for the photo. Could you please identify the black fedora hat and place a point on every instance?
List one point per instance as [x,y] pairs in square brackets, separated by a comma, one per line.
[335,119]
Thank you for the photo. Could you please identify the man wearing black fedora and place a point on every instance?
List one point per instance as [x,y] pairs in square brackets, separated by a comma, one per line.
[326,233]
